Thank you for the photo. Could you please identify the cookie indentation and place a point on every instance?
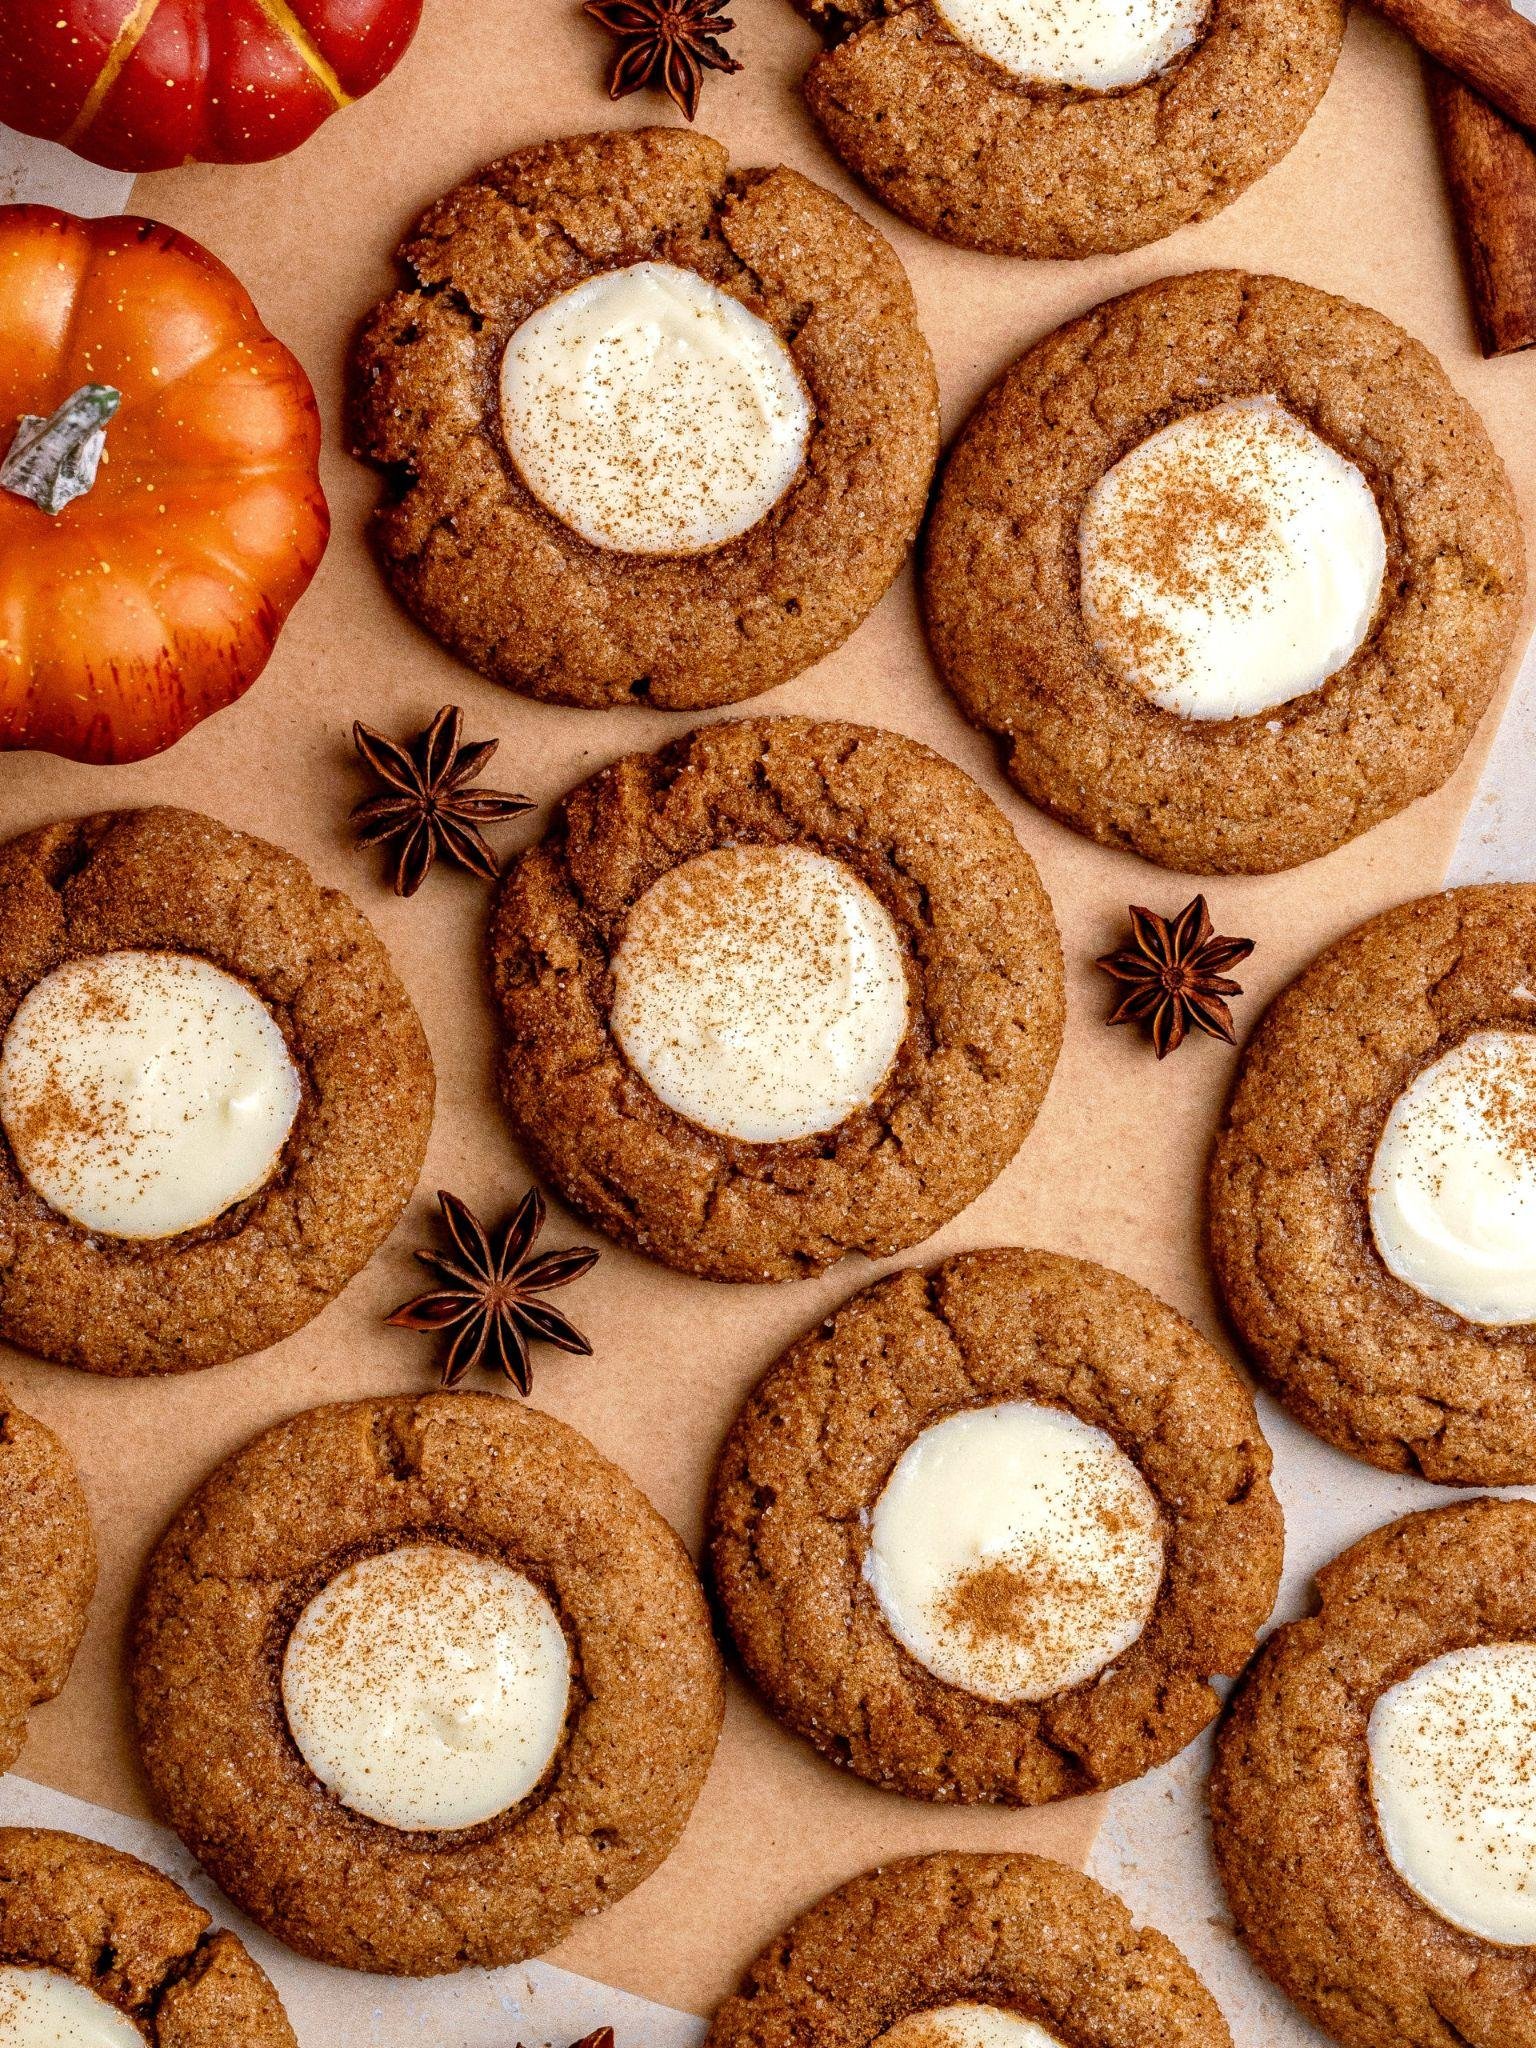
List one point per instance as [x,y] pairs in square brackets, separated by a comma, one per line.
[426,1687]
[967,2026]
[1015,1550]
[144,1094]
[761,991]
[653,412]
[1231,561]
[1453,1779]
[1453,1180]
[41,2008]
[1093,45]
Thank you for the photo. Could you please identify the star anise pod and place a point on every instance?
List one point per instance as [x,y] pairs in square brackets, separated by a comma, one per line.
[1174,975]
[603,2038]
[427,809]
[665,43]
[489,1293]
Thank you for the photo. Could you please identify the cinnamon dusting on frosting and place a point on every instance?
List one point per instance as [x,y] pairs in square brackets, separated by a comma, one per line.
[761,991]
[1231,561]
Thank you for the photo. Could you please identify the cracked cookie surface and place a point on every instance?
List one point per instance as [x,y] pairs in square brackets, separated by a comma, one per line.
[510,588]
[965,150]
[1239,795]
[136,1940]
[816,1441]
[1042,1941]
[275,1523]
[1311,1889]
[1355,1353]
[164,880]
[985,998]
[47,1570]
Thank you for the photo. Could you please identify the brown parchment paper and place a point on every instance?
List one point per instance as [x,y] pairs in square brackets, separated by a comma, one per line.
[1112,1168]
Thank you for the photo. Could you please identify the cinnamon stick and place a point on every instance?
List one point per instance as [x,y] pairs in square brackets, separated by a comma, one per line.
[1490,168]
[1484,42]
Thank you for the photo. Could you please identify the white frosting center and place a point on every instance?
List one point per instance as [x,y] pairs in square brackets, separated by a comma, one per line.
[1016,1551]
[761,991]
[1231,562]
[1453,1776]
[45,2009]
[427,1688]
[1094,45]
[143,1093]
[653,412]
[967,2026]
[1453,1182]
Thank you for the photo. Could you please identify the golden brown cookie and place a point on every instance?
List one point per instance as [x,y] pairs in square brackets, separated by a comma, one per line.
[519,593]
[463,1477]
[190,896]
[47,1570]
[94,1937]
[1082,738]
[1032,1663]
[1301,1843]
[934,870]
[1354,1349]
[1036,1940]
[968,149]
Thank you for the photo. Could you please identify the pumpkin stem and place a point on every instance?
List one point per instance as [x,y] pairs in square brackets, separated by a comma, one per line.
[54,461]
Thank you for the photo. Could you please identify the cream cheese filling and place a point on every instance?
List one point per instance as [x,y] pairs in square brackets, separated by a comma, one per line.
[1453,1777]
[1452,1188]
[761,991]
[1231,562]
[144,1093]
[967,2026]
[652,412]
[1094,45]
[427,1687]
[42,2008]
[1015,1551]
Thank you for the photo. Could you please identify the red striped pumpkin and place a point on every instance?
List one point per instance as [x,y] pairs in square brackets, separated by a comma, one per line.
[142,85]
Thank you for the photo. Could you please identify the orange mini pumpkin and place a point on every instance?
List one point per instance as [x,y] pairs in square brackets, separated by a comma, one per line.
[154,594]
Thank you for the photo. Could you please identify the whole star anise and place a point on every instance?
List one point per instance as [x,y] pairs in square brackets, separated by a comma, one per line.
[603,2038]
[1174,974]
[665,43]
[489,1296]
[427,809]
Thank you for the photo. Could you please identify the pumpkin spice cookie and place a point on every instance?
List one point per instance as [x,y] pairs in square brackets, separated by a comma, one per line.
[1373,1187]
[308,1634]
[1070,130]
[965,1951]
[47,1571]
[989,1531]
[1374,1795]
[651,429]
[782,991]
[102,1951]
[214,1092]
[1228,568]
